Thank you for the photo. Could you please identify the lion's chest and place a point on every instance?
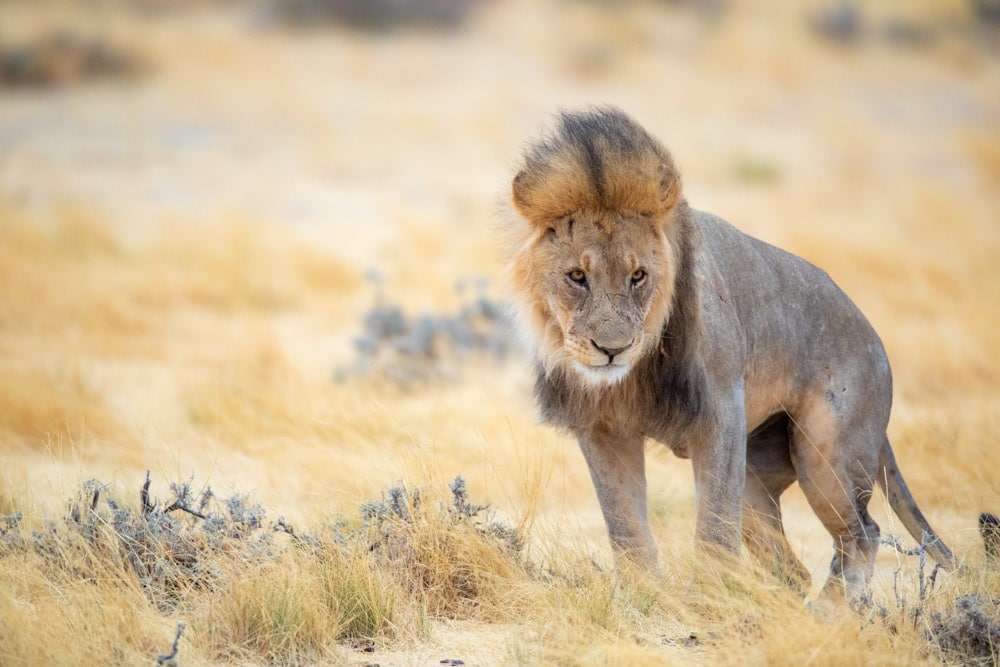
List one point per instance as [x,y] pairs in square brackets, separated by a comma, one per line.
[667,408]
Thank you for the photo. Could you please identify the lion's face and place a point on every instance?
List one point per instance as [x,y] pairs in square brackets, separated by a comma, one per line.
[594,267]
[599,288]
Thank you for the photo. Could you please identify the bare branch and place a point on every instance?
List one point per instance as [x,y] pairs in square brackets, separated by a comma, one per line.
[170,659]
[147,506]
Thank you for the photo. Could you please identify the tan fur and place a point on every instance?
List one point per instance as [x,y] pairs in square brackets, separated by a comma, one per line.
[654,321]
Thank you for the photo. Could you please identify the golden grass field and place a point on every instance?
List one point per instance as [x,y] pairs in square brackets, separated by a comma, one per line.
[182,270]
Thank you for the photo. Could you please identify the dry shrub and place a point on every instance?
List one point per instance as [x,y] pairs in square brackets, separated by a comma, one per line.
[458,563]
[256,592]
[376,15]
[72,570]
[458,574]
[64,57]
[970,632]
[410,350]
[152,545]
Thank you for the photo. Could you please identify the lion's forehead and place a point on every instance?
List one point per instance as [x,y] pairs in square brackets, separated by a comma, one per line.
[612,255]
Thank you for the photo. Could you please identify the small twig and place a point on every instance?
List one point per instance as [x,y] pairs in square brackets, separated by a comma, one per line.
[927,540]
[171,658]
[206,497]
[177,505]
[925,583]
[893,541]
[922,562]
[932,578]
[284,526]
[147,506]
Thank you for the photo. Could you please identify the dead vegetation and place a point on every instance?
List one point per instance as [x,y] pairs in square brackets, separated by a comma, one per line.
[412,349]
[246,588]
[258,589]
[375,15]
[65,57]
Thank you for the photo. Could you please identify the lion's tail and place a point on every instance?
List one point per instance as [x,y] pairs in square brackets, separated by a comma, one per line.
[890,480]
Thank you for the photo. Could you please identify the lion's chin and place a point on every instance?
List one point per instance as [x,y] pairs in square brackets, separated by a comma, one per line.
[601,376]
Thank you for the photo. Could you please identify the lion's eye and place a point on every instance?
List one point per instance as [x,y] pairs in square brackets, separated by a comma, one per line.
[577,276]
[638,276]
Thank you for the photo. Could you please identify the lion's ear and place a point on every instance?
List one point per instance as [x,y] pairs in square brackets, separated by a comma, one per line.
[542,196]
[519,195]
[669,190]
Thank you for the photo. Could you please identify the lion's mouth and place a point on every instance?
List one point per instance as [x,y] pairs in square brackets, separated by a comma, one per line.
[609,365]
[605,374]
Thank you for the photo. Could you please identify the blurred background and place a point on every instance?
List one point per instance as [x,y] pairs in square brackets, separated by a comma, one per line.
[258,242]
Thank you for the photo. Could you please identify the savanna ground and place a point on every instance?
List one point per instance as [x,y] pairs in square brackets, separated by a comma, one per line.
[184,245]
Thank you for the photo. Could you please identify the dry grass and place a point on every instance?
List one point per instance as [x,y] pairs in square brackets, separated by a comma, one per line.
[182,264]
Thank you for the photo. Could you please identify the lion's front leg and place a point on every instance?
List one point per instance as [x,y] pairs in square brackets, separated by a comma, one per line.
[719,459]
[618,469]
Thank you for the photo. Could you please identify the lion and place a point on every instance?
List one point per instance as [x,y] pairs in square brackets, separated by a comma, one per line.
[650,320]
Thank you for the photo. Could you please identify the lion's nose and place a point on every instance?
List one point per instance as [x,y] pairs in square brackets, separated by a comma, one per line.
[612,352]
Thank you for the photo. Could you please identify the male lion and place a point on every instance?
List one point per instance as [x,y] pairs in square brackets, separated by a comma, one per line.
[655,321]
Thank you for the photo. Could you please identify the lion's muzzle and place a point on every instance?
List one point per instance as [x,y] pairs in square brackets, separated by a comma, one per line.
[611,352]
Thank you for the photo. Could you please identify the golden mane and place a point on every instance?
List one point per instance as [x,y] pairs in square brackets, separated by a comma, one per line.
[596,161]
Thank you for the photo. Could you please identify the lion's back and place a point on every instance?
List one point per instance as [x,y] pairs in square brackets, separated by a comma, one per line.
[796,320]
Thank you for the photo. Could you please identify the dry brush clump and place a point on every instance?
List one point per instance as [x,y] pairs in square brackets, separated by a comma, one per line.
[65,57]
[167,554]
[375,15]
[458,559]
[961,624]
[252,590]
[413,349]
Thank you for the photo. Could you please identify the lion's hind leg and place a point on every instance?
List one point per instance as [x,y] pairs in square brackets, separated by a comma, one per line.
[769,473]
[836,476]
